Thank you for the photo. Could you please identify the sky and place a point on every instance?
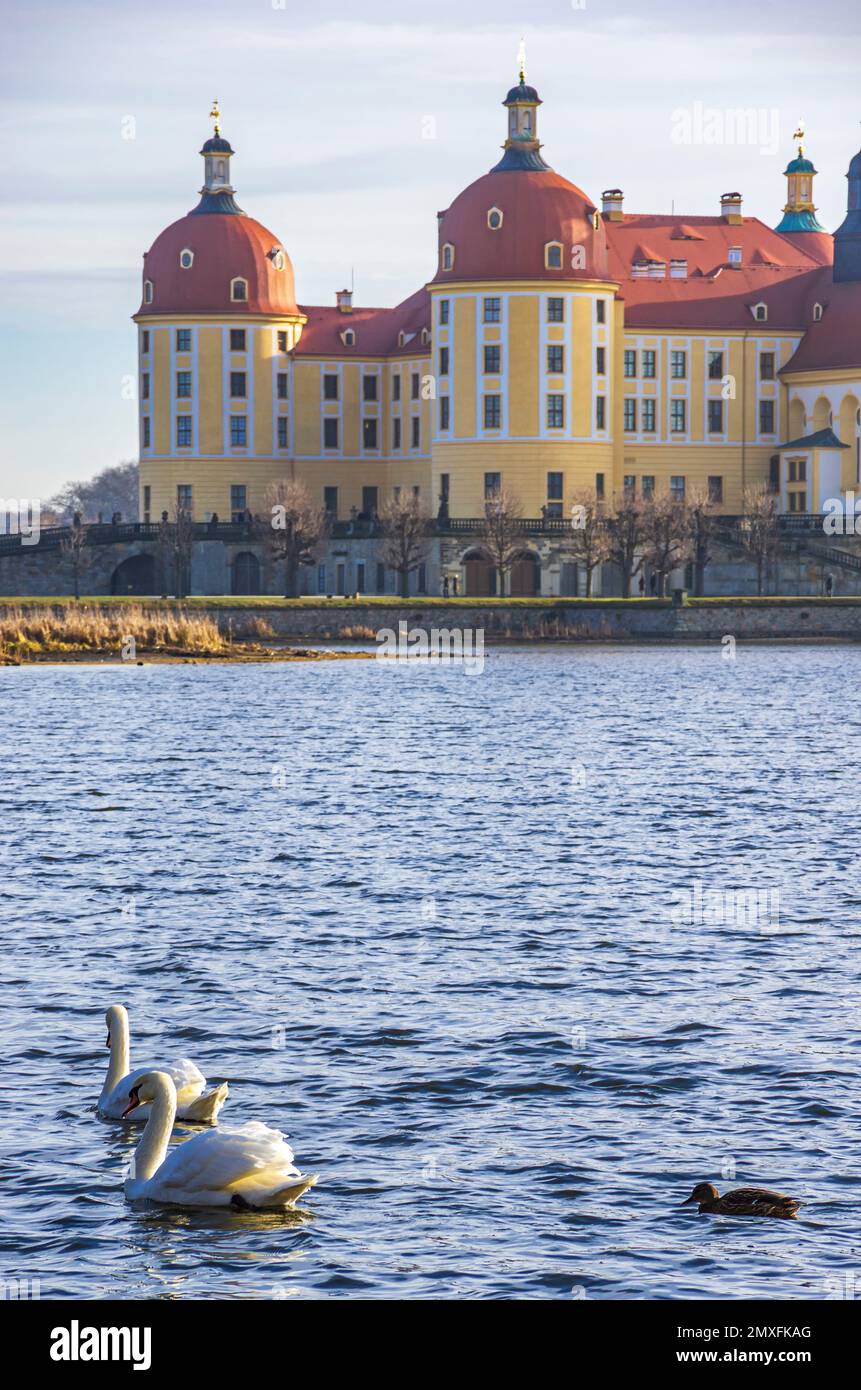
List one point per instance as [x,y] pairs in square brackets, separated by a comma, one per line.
[353,125]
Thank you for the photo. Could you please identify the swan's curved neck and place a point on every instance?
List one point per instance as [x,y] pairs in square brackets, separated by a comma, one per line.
[150,1152]
[118,1066]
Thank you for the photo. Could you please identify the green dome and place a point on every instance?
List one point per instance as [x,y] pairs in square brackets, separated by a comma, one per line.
[799,166]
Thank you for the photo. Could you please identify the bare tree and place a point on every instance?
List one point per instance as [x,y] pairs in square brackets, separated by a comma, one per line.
[501,533]
[114,489]
[759,529]
[404,546]
[175,544]
[626,532]
[589,541]
[75,552]
[701,526]
[665,538]
[297,527]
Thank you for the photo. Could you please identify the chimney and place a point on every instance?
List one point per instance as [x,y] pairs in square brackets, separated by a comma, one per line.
[611,204]
[344,301]
[730,208]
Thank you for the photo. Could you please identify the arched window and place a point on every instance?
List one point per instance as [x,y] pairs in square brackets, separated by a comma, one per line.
[239,290]
[147,291]
[448,256]
[817,312]
[277,257]
[553,255]
[494,219]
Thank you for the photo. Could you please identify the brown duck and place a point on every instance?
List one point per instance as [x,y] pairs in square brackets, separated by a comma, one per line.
[743,1201]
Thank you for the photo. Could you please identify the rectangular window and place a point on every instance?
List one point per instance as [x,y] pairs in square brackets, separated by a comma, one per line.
[369,501]
[381,577]
[330,387]
[145,340]
[238,501]
[492,484]
[146,431]
[282,432]
[237,340]
[369,388]
[321,578]
[677,489]
[415,384]
[396,386]
[281,381]
[238,431]
[630,413]
[554,487]
[492,360]
[802,470]
[715,489]
[145,386]
[647,485]
[555,412]
[443,311]
[793,469]
[492,412]
[715,423]
[369,434]
[600,412]
[599,480]
[555,310]
[147,496]
[282,341]
[774,473]
[443,361]
[555,358]
[601,361]
[629,485]
[183,497]
[630,362]
[678,416]
[237,385]
[678,365]
[600,311]
[330,434]
[183,431]
[766,417]
[330,502]
[444,481]
[183,340]
[648,362]
[492,310]
[396,434]
[416,437]
[648,416]
[715,360]
[553,510]
[766,366]
[444,412]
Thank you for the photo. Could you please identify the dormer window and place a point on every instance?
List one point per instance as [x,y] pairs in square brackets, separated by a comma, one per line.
[186,259]
[553,255]
[348,337]
[147,291]
[426,336]
[494,219]
[448,256]
[817,312]
[734,255]
[760,312]
[239,290]
[276,255]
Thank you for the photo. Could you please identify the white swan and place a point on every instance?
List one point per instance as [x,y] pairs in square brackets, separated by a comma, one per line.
[193,1103]
[247,1166]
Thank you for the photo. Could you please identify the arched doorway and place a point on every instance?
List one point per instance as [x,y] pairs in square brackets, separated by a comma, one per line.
[136,575]
[525,575]
[797,420]
[246,573]
[821,414]
[479,574]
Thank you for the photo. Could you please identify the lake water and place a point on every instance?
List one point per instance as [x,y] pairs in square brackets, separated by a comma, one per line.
[445,932]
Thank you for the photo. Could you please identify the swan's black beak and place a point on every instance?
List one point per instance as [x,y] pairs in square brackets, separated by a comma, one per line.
[134,1101]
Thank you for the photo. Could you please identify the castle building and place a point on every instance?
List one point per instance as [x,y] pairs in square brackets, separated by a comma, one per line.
[559,348]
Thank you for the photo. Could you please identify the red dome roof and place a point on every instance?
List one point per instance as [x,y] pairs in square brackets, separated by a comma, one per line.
[225,246]
[537,207]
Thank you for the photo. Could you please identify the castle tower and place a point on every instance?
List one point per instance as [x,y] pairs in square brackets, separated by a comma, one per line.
[799,214]
[847,238]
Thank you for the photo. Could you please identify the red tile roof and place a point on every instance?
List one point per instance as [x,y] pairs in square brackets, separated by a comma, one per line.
[835,340]
[377,330]
[225,246]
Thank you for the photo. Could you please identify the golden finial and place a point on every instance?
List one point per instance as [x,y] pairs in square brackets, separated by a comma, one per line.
[521,61]
[799,136]
[215,115]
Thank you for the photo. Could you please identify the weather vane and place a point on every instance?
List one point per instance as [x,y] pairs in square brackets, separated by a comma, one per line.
[799,136]
[215,115]
[521,60]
